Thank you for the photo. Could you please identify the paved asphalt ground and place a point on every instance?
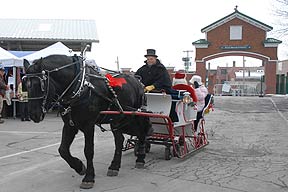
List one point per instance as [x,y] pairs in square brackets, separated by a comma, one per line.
[248,153]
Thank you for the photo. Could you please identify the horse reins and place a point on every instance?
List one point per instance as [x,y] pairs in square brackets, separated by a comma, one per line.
[44,76]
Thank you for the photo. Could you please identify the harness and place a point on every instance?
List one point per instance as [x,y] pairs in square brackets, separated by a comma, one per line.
[44,78]
[76,87]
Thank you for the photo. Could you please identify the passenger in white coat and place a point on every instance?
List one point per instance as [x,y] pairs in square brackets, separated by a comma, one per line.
[201,93]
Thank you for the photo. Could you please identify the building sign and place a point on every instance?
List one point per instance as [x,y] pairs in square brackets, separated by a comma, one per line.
[235,47]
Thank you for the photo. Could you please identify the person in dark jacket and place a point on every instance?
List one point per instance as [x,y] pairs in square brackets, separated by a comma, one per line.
[3,88]
[153,74]
[22,95]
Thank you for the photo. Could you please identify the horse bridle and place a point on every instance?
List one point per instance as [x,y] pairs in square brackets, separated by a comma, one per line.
[44,79]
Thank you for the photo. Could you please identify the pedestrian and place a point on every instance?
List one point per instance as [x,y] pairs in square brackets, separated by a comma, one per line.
[201,93]
[154,74]
[3,88]
[23,100]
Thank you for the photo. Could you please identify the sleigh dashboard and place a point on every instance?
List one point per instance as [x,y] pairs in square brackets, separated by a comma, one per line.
[162,109]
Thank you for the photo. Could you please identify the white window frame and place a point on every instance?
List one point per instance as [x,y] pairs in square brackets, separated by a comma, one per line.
[236,32]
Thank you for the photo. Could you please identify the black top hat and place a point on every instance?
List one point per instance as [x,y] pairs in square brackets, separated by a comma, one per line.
[151,52]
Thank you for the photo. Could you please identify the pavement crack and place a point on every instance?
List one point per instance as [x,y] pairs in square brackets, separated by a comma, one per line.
[21,141]
[279,112]
[284,184]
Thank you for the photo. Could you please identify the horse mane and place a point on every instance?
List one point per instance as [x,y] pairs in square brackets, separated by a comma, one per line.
[41,62]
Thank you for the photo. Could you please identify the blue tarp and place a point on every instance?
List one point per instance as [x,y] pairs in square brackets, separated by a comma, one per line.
[21,53]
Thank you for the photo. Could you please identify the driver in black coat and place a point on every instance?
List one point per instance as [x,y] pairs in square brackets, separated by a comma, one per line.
[153,74]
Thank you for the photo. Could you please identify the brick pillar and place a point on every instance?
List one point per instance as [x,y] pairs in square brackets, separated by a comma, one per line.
[270,77]
[201,70]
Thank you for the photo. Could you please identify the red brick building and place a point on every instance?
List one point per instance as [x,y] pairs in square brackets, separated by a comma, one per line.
[282,77]
[238,35]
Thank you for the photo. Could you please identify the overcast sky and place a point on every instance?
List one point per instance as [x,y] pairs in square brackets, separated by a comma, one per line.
[126,28]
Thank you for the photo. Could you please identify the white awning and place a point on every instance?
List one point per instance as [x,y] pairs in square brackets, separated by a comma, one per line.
[7,59]
[57,48]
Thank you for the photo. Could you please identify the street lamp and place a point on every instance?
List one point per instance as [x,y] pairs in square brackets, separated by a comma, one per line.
[244,74]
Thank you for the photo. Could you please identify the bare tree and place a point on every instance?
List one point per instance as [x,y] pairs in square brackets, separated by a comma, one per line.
[281,12]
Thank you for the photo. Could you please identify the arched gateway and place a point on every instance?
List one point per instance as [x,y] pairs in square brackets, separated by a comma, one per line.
[238,35]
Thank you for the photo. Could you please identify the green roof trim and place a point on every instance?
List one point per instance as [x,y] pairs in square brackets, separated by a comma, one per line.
[272,40]
[236,13]
[201,42]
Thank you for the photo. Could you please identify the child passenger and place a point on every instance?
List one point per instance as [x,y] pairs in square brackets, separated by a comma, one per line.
[201,93]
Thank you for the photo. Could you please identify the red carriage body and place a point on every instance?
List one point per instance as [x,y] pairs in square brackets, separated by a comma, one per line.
[179,138]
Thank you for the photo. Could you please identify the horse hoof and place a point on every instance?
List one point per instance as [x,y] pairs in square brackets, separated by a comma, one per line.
[112,173]
[139,165]
[87,185]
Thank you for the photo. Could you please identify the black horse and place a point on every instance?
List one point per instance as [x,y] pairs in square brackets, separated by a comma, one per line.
[82,92]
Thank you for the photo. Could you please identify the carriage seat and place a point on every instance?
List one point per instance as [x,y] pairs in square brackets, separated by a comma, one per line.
[181,88]
[177,96]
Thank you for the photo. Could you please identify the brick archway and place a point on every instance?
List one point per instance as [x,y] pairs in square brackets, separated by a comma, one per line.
[238,35]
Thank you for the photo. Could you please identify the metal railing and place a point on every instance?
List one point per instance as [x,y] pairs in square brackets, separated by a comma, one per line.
[238,89]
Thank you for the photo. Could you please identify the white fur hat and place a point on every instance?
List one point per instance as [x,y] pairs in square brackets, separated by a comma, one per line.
[179,81]
[179,78]
[196,78]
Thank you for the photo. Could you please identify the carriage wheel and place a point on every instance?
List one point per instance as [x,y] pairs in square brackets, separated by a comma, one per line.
[202,137]
[180,150]
[204,133]
[168,154]
[176,150]
[179,147]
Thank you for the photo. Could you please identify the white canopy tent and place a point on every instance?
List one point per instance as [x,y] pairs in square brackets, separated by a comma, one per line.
[7,59]
[57,48]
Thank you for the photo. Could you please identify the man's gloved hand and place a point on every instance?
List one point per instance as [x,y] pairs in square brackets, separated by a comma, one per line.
[149,88]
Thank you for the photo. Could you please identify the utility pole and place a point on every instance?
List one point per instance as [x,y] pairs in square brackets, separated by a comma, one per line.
[208,74]
[243,74]
[186,60]
[117,62]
